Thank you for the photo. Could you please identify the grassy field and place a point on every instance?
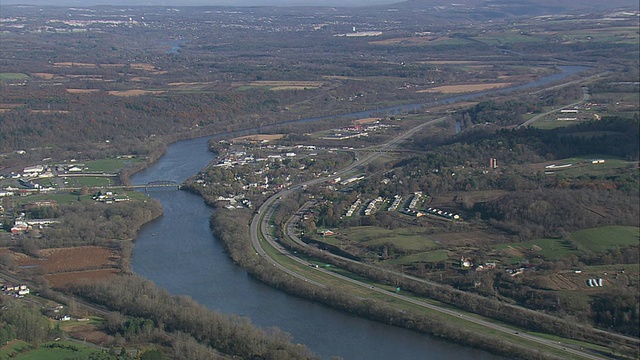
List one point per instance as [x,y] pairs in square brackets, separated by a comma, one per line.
[89,181]
[66,199]
[408,239]
[423,257]
[606,238]
[60,350]
[582,166]
[596,240]
[550,249]
[62,199]
[626,35]
[507,38]
[13,76]
[109,165]
[552,124]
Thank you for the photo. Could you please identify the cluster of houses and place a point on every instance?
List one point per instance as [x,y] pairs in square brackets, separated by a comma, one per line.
[353,207]
[397,199]
[236,202]
[515,272]
[355,131]
[277,153]
[30,172]
[444,214]
[466,263]
[414,201]
[15,290]
[109,197]
[21,225]
[372,206]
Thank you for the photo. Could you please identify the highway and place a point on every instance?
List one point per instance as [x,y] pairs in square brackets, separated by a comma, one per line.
[260,231]
[585,97]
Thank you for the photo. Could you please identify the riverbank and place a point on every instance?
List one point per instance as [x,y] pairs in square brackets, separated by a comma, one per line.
[232,231]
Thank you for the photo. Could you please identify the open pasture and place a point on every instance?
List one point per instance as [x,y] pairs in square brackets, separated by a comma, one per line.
[423,257]
[407,239]
[609,35]
[550,249]
[606,238]
[583,166]
[61,350]
[13,76]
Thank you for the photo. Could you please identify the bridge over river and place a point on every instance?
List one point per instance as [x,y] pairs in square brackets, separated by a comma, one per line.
[158,184]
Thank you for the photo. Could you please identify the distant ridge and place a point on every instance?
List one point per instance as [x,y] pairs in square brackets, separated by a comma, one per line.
[525,7]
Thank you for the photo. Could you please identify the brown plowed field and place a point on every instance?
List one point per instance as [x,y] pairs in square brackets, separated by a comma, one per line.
[61,280]
[72,259]
[562,283]
[62,266]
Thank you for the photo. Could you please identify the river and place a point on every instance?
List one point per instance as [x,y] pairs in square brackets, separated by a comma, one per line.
[178,252]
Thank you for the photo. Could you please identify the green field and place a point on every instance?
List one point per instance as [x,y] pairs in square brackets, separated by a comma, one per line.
[606,238]
[60,350]
[582,166]
[62,199]
[620,35]
[70,198]
[89,181]
[551,124]
[550,249]
[423,257]
[507,38]
[13,76]
[109,165]
[407,239]
[596,240]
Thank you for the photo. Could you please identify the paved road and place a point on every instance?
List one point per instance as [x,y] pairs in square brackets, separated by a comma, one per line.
[585,97]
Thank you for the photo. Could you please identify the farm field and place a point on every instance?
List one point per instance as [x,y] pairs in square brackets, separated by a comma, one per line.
[407,239]
[63,266]
[61,350]
[14,76]
[609,35]
[282,85]
[88,181]
[583,166]
[423,257]
[453,89]
[110,165]
[550,249]
[606,238]
[594,240]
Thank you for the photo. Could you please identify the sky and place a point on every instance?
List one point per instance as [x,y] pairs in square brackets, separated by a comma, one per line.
[203,2]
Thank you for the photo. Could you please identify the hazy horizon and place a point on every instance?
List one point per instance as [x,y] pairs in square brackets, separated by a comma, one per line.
[201,2]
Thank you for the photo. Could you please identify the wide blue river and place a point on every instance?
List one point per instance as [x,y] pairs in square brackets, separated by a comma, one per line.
[178,252]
